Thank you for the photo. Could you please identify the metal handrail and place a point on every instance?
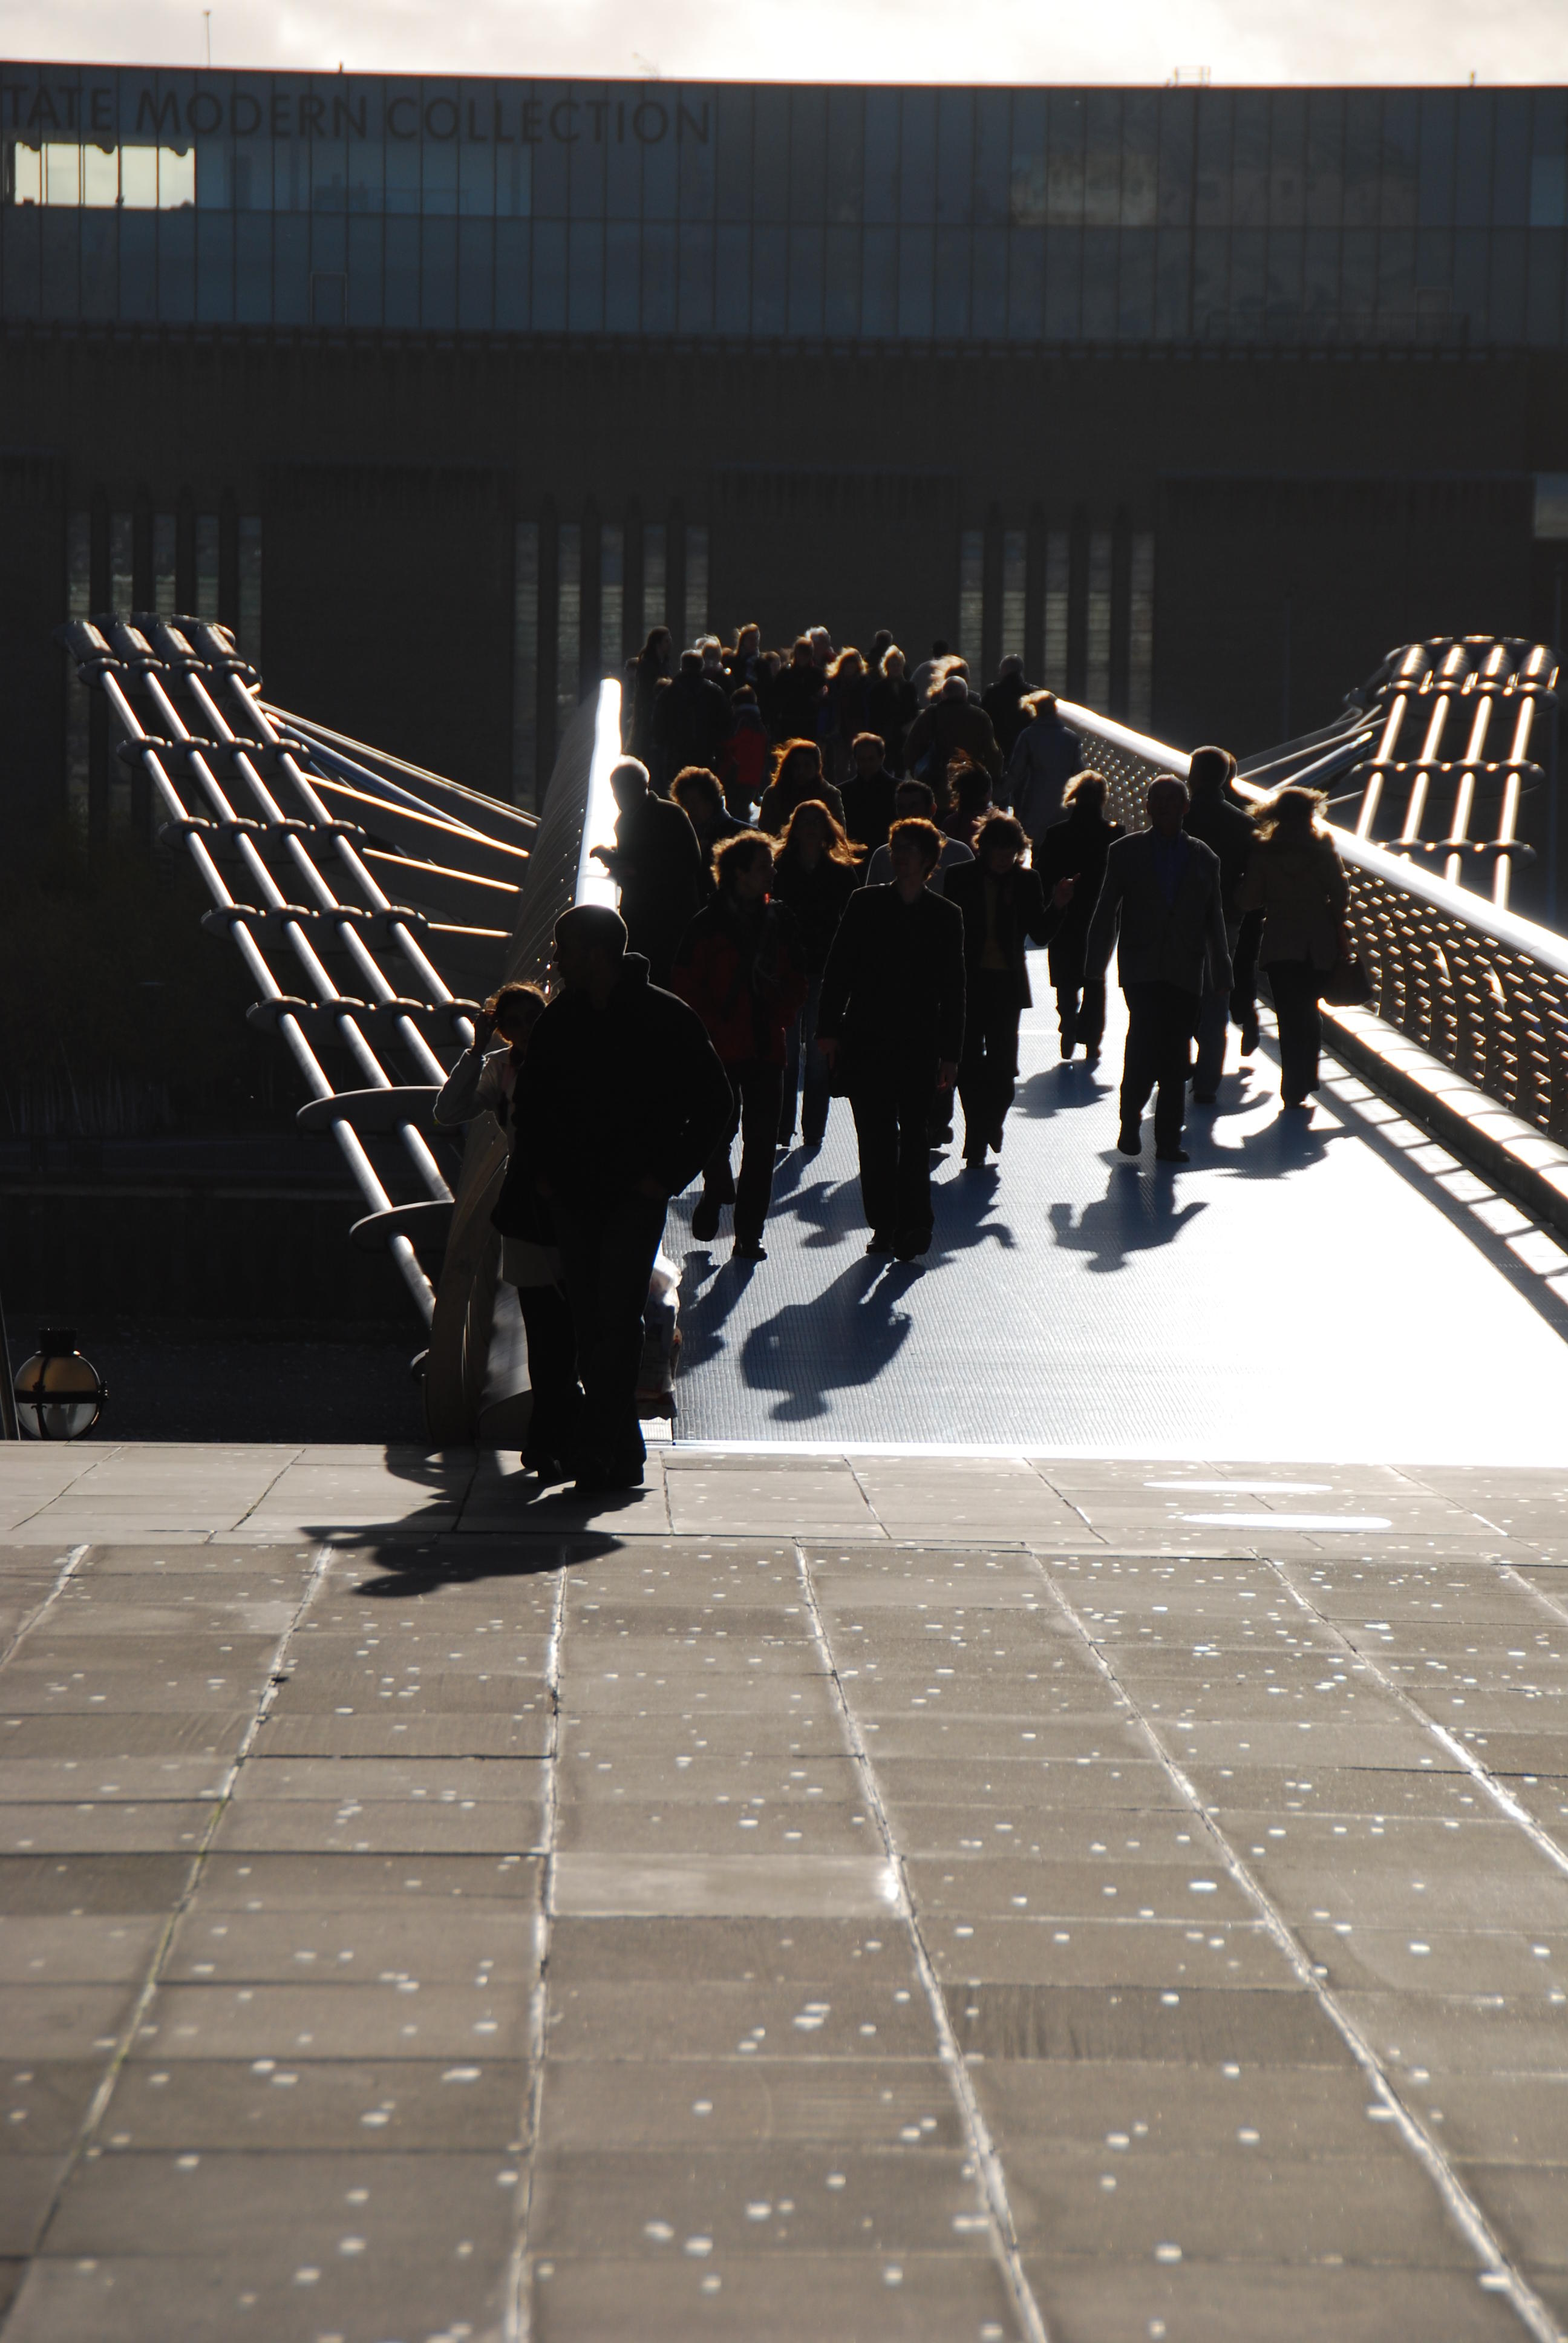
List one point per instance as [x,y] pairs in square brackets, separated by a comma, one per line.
[1475,984]
[210,736]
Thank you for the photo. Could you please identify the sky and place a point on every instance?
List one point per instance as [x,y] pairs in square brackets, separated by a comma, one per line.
[1126,40]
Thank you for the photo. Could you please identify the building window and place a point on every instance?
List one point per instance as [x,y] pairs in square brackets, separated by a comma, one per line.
[1014,575]
[103,179]
[568,620]
[1141,643]
[1551,504]
[695,583]
[971,597]
[1097,679]
[653,575]
[1058,575]
[249,612]
[122,581]
[78,605]
[525,660]
[206,565]
[612,598]
[163,588]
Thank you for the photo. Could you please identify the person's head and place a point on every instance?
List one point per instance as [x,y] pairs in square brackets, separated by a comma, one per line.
[771,663]
[914,849]
[1291,815]
[880,641]
[711,654]
[914,801]
[893,663]
[999,844]
[1084,796]
[697,793]
[629,782]
[798,768]
[743,697]
[657,647]
[1041,703]
[848,663]
[1011,664]
[1209,772]
[821,643]
[800,654]
[811,832]
[745,865]
[748,641]
[1165,802]
[939,648]
[868,751]
[691,662]
[955,685]
[514,1011]
[591,947]
[969,785]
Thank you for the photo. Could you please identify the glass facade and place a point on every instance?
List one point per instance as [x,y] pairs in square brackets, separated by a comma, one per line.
[785,213]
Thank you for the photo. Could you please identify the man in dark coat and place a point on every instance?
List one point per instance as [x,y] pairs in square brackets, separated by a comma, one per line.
[892,1026]
[1221,824]
[952,722]
[658,863]
[868,793]
[1161,892]
[1004,702]
[1005,908]
[690,719]
[620,1101]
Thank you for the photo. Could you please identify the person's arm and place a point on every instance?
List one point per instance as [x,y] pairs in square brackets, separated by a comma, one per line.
[1102,927]
[951,1002]
[703,1088]
[991,752]
[1219,942]
[473,1087]
[1043,913]
[837,978]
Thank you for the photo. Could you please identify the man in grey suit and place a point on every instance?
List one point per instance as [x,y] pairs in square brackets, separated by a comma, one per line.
[1161,889]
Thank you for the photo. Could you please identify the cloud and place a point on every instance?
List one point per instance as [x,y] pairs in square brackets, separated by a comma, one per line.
[1397,42]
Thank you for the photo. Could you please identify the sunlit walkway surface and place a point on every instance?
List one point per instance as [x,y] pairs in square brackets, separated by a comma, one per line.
[1341,1288]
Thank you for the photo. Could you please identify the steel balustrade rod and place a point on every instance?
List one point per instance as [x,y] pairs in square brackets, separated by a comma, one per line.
[1465,795]
[1412,676]
[93,652]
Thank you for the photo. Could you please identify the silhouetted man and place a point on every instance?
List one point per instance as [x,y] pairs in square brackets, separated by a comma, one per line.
[658,863]
[1006,702]
[691,718]
[868,793]
[892,1026]
[1044,757]
[1211,816]
[1162,891]
[1005,910]
[620,1101]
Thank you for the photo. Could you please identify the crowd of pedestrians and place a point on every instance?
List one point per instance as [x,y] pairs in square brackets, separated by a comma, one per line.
[830,872]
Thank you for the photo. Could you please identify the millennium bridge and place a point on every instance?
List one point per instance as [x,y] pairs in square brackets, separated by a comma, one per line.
[1047,1815]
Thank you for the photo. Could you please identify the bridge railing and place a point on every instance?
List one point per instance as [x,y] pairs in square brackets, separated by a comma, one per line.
[1478,987]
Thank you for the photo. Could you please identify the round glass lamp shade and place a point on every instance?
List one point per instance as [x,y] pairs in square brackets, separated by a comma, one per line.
[58,1394]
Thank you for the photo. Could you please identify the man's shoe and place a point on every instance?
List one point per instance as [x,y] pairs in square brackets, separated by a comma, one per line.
[748,1248]
[1295,1106]
[812,1137]
[1249,1025]
[1171,1155]
[996,1137]
[879,1241]
[1130,1139]
[911,1248]
[1091,1056]
[705,1218]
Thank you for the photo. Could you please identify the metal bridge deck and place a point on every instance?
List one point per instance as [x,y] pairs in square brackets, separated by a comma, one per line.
[1343,1289]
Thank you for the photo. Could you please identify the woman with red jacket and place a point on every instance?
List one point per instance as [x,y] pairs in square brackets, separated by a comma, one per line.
[742,966]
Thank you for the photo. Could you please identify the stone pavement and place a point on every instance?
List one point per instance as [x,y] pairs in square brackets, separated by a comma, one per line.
[871,1897]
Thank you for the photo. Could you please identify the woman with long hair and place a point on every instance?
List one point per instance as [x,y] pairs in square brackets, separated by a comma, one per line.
[845,712]
[484,1081]
[740,967]
[797,775]
[815,876]
[653,664]
[1298,882]
[968,799]
[1076,848]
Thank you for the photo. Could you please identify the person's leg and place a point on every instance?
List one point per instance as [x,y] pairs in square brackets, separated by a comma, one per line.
[1001,1052]
[819,1095]
[717,1179]
[1294,987]
[759,1084]
[628,1233]
[1177,1014]
[1245,980]
[555,1415]
[877,1139]
[1067,1017]
[1091,1017]
[790,1083]
[973,1086]
[1141,1061]
[1212,1016]
[918,1103]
